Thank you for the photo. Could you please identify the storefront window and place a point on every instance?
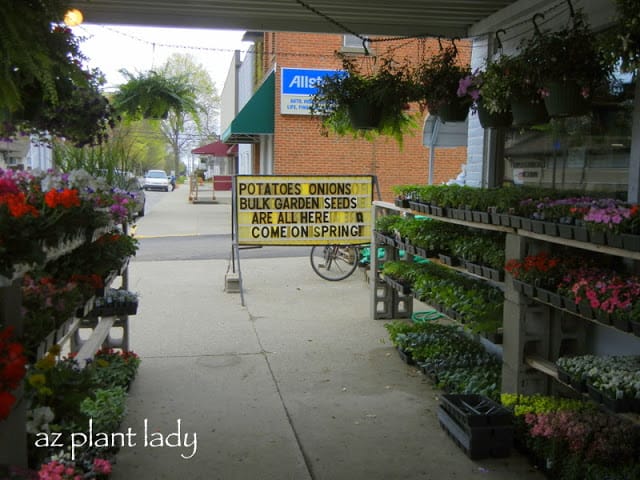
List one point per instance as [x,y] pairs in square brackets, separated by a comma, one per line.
[590,152]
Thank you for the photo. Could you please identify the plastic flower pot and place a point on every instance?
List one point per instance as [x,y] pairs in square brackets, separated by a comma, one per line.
[565,99]
[631,242]
[614,240]
[365,115]
[494,120]
[526,113]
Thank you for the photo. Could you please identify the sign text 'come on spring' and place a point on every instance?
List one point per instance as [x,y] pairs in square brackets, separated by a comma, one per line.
[297,210]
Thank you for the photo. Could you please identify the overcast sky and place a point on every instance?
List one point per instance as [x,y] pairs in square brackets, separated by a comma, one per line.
[139,49]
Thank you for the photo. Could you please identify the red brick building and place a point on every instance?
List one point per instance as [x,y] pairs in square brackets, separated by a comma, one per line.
[300,148]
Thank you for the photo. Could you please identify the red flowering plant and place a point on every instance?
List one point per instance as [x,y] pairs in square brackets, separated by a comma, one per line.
[12,370]
[46,304]
[19,218]
[542,270]
[40,211]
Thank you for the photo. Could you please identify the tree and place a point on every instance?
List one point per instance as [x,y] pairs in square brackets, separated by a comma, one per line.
[185,130]
[181,95]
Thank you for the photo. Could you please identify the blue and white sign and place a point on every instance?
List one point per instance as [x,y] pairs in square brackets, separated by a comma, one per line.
[297,87]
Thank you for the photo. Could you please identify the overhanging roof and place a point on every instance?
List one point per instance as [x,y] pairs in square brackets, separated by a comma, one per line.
[384,17]
[256,117]
[217,149]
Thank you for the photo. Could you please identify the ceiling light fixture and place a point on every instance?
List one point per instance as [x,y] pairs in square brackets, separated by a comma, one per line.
[73,17]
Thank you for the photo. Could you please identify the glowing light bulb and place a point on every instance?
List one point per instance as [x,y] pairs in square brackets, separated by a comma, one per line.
[73,17]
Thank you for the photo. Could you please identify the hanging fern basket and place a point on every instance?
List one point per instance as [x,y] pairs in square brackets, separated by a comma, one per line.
[365,115]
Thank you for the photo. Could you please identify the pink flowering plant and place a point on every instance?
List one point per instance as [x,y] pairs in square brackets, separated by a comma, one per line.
[610,215]
[502,81]
[573,442]
[64,469]
[572,438]
[601,288]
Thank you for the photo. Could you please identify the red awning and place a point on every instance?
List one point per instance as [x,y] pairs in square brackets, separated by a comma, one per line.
[233,150]
[217,149]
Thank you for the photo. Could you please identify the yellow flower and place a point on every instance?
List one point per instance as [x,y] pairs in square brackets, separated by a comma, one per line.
[102,363]
[54,350]
[46,363]
[37,380]
[45,391]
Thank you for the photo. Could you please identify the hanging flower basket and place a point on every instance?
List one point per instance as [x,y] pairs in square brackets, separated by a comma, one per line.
[494,120]
[365,115]
[526,113]
[565,99]
[454,111]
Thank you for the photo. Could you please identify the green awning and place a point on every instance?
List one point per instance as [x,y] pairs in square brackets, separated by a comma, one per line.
[256,117]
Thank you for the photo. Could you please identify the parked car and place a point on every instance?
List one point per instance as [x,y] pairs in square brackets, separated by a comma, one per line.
[156,180]
[134,186]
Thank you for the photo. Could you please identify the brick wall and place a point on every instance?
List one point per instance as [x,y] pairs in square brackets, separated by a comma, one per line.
[299,147]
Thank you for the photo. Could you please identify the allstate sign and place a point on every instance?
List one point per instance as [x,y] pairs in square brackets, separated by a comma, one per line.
[297,86]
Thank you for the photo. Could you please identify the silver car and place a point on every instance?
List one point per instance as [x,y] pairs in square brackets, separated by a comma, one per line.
[156,180]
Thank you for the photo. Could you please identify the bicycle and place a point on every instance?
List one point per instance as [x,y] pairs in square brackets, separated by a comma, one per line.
[335,262]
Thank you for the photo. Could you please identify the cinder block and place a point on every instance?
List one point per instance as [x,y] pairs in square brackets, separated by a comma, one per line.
[232,283]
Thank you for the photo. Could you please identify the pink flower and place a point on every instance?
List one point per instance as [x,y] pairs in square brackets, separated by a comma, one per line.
[102,466]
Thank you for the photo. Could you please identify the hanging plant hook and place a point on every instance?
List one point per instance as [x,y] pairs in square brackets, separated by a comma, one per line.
[453,43]
[365,42]
[572,12]
[535,24]
[498,39]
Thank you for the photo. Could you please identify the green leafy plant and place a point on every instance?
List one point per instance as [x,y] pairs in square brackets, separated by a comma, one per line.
[437,79]
[570,53]
[386,224]
[500,82]
[115,368]
[152,95]
[44,87]
[386,87]
[106,407]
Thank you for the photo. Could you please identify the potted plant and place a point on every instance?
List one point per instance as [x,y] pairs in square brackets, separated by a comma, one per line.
[436,81]
[44,86]
[570,65]
[359,103]
[489,93]
[153,95]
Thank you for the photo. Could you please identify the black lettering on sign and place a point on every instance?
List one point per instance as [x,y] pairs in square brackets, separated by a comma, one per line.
[330,189]
[340,203]
[359,217]
[262,217]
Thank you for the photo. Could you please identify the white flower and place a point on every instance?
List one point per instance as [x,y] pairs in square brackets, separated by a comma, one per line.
[38,420]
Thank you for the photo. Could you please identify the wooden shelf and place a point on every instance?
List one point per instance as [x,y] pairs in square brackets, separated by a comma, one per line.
[481,226]
[542,365]
[619,252]
[95,341]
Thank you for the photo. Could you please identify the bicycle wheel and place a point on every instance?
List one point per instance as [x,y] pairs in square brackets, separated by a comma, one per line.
[334,262]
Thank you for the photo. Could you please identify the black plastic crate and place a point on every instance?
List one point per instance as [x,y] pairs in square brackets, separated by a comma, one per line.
[478,442]
[476,410]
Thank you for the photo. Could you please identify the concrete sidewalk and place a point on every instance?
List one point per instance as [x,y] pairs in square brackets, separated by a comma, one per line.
[299,384]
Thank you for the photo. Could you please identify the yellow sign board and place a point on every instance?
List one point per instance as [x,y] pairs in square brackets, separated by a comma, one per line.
[301,210]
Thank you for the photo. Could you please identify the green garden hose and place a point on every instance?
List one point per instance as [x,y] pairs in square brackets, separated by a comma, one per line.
[426,316]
